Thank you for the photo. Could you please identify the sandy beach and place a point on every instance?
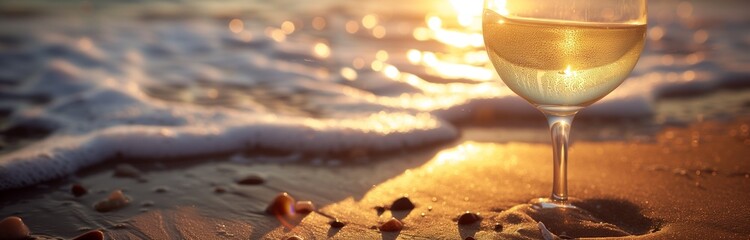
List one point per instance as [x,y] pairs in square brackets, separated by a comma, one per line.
[686,182]
[337,119]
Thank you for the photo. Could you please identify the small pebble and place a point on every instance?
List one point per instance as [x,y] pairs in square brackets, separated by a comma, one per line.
[78,190]
[219,190]
[304,207]
[147,203]
[160,189]
[295,237]
[468,218]
[281,205]
[402,204]
[498,227]
[393,225]
[92,235]
[127,171]
[336,223]
[251,179]
[380,210]
[115,200]
[13,228]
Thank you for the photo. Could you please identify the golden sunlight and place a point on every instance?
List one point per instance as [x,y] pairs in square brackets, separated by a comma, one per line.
[461,31]
[348,73]
[569,72]
[468,11]
[352,26]
[391,72]
[276,34]
[287,27]
[414,56]
[499,6]
[319,23]
[322,50]
[369,21]
[236,26]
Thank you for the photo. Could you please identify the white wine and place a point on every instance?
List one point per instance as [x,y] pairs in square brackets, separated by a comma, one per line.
[561,63]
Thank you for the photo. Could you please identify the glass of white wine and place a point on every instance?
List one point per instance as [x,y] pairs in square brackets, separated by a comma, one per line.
[561,56]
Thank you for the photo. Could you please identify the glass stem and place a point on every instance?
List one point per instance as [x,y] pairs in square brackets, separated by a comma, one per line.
[559,125]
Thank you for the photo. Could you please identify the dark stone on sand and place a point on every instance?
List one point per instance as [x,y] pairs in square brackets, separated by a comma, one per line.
[219,190]
[468,218]
[78,190]
[161,189]
[115,200]
[498,227]
[281,205]
[92,235]
[393,225]
[295,238]
[147,203]
[336,223]
[127,171]
[304,207]
[402,204]
[251,179]
[12,228]
[379,209]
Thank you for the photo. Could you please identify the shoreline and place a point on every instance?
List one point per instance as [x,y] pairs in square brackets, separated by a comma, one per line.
[355,120]
[492,179]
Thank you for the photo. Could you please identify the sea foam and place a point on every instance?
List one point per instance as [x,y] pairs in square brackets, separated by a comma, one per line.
[170,89]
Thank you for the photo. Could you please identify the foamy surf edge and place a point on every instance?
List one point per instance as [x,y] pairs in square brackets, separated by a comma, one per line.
[99,108]
[61,155]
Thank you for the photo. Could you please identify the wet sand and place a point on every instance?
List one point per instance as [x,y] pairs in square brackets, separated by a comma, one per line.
[83,82]
[685,182]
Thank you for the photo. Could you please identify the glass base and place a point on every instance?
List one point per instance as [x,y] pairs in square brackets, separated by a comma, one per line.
[548,203]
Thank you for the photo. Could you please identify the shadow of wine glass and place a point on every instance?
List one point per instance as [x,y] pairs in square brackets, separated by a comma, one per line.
[622,213]
[333,231]
[593,218]
[390,235]
[401,214]
[469,230]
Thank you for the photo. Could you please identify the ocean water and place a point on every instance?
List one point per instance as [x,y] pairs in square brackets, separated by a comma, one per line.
[86,81]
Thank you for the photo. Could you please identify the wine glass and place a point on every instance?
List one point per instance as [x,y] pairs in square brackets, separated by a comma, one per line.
[561,56]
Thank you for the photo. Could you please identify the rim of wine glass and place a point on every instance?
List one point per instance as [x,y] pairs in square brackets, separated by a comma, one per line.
[638,15]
